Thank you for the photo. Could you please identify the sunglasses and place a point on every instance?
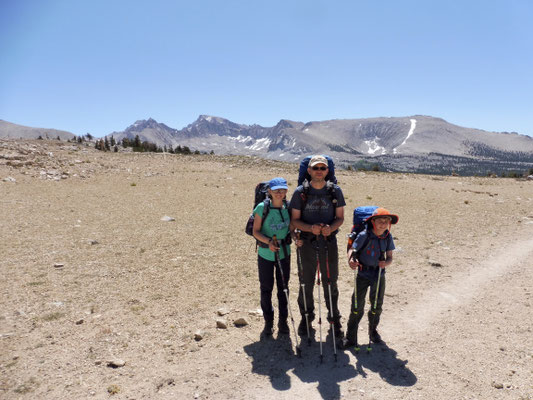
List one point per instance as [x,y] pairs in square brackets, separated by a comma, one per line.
[319,168]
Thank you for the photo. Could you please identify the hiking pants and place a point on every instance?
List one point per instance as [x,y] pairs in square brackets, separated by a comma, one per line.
[266,283]
[373,320]
[309,266]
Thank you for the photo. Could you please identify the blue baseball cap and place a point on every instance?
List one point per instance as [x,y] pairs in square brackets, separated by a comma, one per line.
[277,183]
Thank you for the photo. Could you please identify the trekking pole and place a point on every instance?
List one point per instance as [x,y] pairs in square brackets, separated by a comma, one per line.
[286,290]
[332,324]
[355,303]
[373,309]
[302,287]
[317,251]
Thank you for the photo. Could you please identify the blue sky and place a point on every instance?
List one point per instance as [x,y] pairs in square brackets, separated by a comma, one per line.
[98,66]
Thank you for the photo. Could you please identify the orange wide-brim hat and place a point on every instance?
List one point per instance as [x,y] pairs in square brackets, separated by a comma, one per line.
[381,212]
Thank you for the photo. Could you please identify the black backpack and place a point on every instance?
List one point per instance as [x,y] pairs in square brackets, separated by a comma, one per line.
[261,195]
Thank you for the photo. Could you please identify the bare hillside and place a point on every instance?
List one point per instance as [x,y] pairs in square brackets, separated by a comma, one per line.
[101,297]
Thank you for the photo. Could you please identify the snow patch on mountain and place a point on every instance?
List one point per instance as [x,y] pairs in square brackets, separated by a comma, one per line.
[411,131]
[240,138]
[374,147]
[260,144]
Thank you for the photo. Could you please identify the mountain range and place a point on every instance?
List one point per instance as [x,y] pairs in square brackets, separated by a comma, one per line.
[410,144]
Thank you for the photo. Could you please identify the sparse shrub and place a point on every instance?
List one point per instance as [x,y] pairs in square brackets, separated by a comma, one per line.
[113,389]
[53,316]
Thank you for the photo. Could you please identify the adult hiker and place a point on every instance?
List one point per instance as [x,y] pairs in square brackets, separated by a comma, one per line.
[370,255]
[318,211]
[276,223]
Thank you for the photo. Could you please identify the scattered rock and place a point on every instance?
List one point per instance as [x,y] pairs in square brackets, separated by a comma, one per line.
[79,322]
[166,218]
[240,322]
[9,179]
[435,263]
[256,313]
[222,311]
[222,323]
[116,363]
[198,335]
[497,385]
[93,242]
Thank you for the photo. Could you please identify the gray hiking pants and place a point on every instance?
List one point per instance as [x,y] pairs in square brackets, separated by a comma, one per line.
[309,266]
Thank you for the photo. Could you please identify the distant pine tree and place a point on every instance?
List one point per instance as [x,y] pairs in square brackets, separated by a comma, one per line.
[137,141]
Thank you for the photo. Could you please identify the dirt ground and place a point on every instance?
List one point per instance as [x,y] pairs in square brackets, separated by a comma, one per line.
[101,298]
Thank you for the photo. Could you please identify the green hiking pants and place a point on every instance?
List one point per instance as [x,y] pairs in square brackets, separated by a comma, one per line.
[356,313]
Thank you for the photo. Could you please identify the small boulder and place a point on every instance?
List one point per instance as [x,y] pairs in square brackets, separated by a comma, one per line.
[497,385]
[116,363]
[198,335]
[222,323]
[222,311]
[240,322]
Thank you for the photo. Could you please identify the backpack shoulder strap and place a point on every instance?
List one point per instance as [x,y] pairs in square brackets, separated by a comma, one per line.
[330,187]
[266,209]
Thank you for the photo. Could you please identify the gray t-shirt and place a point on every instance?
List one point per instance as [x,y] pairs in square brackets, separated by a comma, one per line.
[319,206]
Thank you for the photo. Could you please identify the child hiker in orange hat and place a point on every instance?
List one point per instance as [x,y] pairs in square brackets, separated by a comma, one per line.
[370,254]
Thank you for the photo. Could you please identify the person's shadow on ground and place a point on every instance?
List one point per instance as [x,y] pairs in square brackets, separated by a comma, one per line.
[384,361]
[274,357]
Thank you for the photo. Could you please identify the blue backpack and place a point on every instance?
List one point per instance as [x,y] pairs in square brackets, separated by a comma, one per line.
[360,215]
[304,164]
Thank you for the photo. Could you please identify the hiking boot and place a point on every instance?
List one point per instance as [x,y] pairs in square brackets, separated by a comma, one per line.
[348,344]
[283,327]
[374,336]
[267,330]
[302,328]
